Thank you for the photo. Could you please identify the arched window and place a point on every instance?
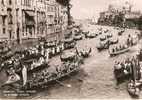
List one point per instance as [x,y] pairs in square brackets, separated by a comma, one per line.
[10,2]
[10,19]
[2,2]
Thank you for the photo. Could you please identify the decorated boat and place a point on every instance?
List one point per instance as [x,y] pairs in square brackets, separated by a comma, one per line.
[70,63]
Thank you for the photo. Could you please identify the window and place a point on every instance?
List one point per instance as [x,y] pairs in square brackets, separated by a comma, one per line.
[3,30]
[10,19]
[3,20]
[17,12]
[10,2]
[2,2]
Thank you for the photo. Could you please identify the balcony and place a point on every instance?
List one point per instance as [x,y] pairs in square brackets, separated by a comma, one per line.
[28,8]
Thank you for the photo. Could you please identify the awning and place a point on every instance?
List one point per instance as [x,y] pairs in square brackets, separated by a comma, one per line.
[30,13]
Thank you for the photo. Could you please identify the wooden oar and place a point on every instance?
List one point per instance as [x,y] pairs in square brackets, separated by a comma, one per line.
[76,78]
[68,85]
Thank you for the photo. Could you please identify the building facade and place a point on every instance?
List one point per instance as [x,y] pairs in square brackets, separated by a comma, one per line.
[26,19]
[7,20]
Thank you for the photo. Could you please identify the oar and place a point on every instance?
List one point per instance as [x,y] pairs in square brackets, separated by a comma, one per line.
[68,85]
[76,78]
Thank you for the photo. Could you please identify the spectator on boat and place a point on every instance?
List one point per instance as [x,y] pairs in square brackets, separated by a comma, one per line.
[117,66]
[47,55]
[128,42]
[53,51]
[116,48]
[113,50]
[58,49]
[34,64]
[41,60]
[120,47]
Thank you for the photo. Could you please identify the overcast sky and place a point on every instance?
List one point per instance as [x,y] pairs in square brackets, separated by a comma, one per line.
[88,8]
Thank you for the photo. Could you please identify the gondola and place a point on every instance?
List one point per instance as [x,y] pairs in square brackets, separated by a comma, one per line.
[69,43]
[118,52]
[103,45]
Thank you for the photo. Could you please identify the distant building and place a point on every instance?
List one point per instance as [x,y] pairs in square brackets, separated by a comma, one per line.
[121,15]
[132,18]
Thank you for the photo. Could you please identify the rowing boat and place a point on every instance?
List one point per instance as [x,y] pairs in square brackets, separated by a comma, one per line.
[119,52]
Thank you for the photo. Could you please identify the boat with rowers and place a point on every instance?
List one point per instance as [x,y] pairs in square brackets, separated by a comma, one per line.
[119,49]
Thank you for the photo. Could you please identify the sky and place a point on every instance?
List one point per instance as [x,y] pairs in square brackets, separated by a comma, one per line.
[88,8]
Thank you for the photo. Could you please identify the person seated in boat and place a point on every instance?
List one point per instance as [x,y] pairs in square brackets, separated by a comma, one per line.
[57,49]
[41,60]
[128,42]
[127,68]
[113,50]
[34,64]
[46,55]
[42,51]
[122,47]
[46,72]
[36,50]
[11,71]
[116,48]
[53,51]
[59,70]
[117,66]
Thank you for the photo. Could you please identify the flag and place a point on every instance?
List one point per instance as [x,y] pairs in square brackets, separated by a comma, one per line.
[24,75]
[12,78]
